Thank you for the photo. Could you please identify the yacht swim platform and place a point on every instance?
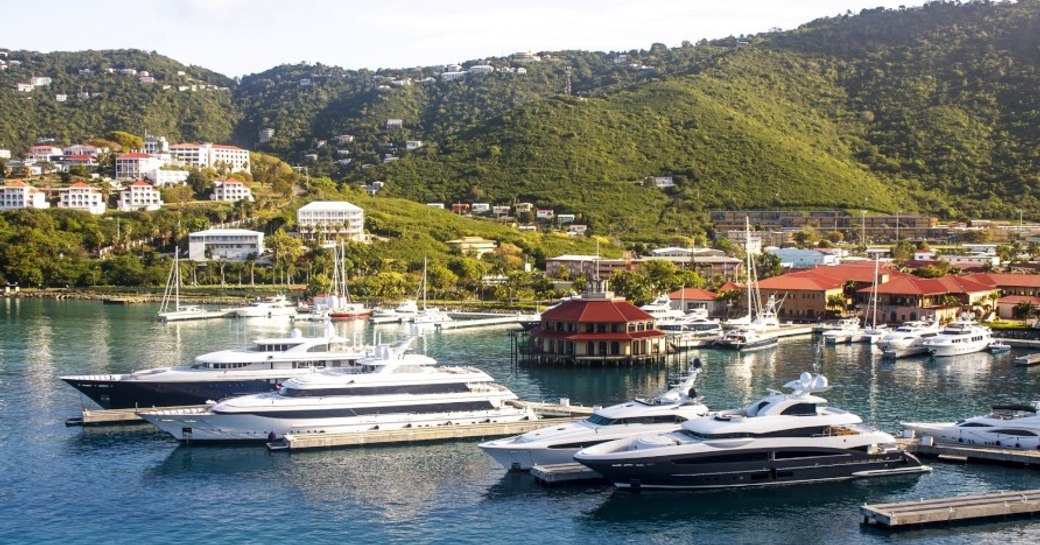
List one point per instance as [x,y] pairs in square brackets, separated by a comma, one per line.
[564,474]
[103,417]
[893,516]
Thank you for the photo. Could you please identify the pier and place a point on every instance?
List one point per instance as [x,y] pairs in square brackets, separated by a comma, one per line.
[946,510]
[102,417]
[974,453]
[487,320]
[1028,359]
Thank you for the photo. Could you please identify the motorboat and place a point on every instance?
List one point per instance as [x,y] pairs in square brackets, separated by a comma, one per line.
[260,367]
[778,439]
[998,347]
[850,331]
[557,444]
[908,339]
[963,336]
[402,312]
[663,312]
[746,339]
[392,389]
[1007,426]
[266,307]
[841,323]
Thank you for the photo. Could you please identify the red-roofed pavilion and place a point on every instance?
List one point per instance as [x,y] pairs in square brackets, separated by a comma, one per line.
[596,328]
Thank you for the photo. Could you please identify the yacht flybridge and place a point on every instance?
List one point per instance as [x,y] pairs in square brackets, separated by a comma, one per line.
[557,444]
[778,439]
[217,375]
[390,390]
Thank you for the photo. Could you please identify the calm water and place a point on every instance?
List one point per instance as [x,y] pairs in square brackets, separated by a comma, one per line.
[131,484]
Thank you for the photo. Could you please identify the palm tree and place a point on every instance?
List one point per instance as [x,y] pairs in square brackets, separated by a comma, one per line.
[837,303]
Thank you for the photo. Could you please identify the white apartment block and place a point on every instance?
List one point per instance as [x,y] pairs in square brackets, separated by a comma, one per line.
[42,154]
[81,149]
[5,153]
[229,244]
[80,196]
[139,195]
[155,145]
[15,195]
[132,166]
[209,155]
[337,218]
[162,178]
[231,190]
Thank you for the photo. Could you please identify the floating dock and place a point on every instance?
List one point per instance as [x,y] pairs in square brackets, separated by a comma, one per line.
[488,321]
[101,417]
[1028,359]
[560,474]
[975,453]
[946,510]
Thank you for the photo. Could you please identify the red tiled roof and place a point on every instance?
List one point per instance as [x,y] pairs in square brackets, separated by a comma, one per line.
[79,185]
[134,156]
[1016,299]
[913,285]
[141,182]
[579,337]
[692,294]
[582,310]
[728,286]
[1007,280]
[15,184]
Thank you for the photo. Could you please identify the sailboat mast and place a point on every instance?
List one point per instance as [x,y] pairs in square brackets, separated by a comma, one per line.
[176,278]
[424,283]
[873,295]
[750,270]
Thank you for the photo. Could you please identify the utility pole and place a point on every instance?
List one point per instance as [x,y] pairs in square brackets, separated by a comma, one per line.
[863,236]
[897,226]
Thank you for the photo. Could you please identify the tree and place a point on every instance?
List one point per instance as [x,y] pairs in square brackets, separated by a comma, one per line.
[126,140]
[768,265]
[837,302]
[1023,310]
[285,252]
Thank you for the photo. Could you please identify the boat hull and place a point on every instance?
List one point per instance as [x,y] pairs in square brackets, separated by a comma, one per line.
[950,433]
[761,344]
[113,393]
[947,350]
[683,472]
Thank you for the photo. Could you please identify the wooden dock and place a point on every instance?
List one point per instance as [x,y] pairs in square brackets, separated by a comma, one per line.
[560,474]
[946,510]
[975,453]
[102,417]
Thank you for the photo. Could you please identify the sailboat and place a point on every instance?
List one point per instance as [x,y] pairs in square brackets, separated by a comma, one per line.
[345,309]
[429,316]
[874,333]
[854,332]
[170,310]
[750,332]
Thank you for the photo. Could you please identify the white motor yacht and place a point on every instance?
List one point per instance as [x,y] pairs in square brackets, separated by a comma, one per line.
[402,312]
[557,444]
[259,368]
[267,307]
[663,312]
[963,336]
[778,439]
[1008,426]
[390,390]
[746,339]
[849,331]
[908,339]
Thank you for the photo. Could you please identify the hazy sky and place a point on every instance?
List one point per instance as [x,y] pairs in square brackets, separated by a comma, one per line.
[237,37]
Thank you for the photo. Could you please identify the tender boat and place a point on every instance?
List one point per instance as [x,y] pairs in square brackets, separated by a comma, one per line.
[963,336]
[1008,426]
[389,390]
[842,323]
[998,347]
[216,375]
[268,307]
[908,339]
[557,444]
[778,439]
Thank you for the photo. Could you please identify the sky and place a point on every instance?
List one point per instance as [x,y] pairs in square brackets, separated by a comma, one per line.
[239,37]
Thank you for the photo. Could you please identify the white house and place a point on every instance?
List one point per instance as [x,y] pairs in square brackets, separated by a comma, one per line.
[481,69]
[411,145]
[155,145]
[68,161]
[802,258]
[80,196]
[229,244]
[18,194]
[231,190]
[24,87]
[544,214]
[481,208]
[207,155]
[664,182]
[44,153]
[394,123]
[451,76]
[132,166]
[500,210]
[343,139]
[40,81]
[524,207]
[5,153]
[437,205]
[139,195]
[340,219]
[81,149]
[577,229]
[164,177]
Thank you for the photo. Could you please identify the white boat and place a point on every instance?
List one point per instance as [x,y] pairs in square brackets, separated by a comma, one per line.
[402,312]
[267,307]
[777,439]
[850,331]
[217,375]
[390,390]
[752,331]
[663,312]
[171,310]
[908,339]
[998,347]
[746,339]
[1008,426]
[557,444]
[429,317]
[963,336]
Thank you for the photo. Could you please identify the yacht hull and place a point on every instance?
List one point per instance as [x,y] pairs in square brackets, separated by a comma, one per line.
[559,445]
[751,468]
[761,344]
[112,392]
[950,433]
[947,350]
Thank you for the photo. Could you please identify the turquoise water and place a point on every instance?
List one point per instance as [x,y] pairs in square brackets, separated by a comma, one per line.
[131,484]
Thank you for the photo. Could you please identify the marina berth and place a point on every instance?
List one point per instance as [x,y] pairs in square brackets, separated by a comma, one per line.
[963,336]
[1007,426]
[778,439]
[258,368]
[389,390]
[557,444]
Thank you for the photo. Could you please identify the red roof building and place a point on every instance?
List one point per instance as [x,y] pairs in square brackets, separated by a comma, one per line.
[693,298]
[907,297]
[597,327]
[1006,305]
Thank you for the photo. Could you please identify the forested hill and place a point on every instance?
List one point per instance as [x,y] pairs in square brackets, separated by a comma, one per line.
[932,109]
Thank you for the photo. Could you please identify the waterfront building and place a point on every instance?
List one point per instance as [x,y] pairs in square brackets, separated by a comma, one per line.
[231,190]
[907,297]
[339,219]
[227,244]
[17,194]
[804,295]
[1006,305]
[1010,284]
[596,328]
[139,195]
[80,196]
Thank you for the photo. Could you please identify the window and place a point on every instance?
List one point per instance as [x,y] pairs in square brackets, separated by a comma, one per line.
[800,409]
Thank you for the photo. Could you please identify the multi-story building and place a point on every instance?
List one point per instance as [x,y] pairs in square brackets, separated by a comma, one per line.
[80,196]
[476,246]
[21,195]
[132,166]
[155,145]
[229,244]
[139,195]
[162,177]
[81,149]
[231,190]
[207,155]
[42,154]
[340,219]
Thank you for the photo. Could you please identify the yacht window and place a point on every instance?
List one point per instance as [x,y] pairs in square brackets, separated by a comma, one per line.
[699,435]
[580,445]
[791,454]
[319,348]
[733,458]
[600,420]
[975,425]
[757,408]
[1023,433]
[800,409]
